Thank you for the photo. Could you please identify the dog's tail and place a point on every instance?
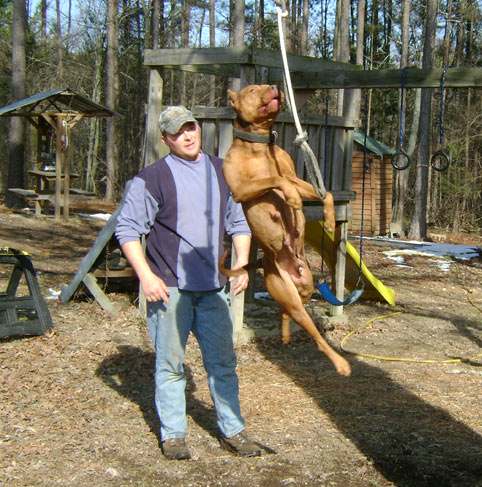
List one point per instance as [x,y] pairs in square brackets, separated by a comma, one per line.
[229,272]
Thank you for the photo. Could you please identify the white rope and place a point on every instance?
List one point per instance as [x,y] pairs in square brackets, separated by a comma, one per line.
[301,140]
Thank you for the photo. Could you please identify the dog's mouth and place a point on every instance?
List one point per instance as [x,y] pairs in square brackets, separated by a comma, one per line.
[273,104]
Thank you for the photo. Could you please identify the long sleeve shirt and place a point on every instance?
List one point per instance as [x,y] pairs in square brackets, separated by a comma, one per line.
[184,208]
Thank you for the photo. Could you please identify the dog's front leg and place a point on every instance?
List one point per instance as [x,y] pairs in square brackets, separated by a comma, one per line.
[246,190]
[307,192]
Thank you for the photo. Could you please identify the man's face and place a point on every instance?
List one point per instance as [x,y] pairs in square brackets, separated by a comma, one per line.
[186,144]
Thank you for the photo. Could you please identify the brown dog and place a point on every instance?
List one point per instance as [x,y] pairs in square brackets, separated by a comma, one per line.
[262,177]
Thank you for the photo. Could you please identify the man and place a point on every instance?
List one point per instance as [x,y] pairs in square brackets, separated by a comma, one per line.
[182,204]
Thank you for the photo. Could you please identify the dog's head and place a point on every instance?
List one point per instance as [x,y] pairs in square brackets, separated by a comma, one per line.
[257,103]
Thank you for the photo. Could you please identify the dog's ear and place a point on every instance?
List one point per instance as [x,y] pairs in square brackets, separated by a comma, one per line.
[233,98]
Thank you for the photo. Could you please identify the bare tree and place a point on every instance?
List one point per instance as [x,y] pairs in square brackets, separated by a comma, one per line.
[43,19]
[156,17]
[212,43]
[112,95]
[418,227]
[16,135]
[237,32]
[352,98]
[401,177]
[60,50]
[304,48]
[342,41]
[185,24]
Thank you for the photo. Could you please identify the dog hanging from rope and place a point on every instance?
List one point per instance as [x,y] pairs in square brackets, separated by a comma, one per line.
[262,177]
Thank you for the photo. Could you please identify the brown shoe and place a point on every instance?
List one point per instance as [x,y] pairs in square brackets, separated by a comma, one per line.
[176,449]
[241,445]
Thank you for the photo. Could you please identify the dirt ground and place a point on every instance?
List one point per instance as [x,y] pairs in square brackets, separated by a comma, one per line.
[77,403]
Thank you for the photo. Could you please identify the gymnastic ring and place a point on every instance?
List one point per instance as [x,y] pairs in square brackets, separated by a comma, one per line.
[440,160]
[401,160]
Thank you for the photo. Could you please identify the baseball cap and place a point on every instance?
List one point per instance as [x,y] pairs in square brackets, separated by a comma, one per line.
[173,118]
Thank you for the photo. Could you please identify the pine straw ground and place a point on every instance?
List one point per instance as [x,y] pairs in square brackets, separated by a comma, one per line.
[77,403]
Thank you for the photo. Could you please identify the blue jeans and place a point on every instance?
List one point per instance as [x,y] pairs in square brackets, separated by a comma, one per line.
[206,315]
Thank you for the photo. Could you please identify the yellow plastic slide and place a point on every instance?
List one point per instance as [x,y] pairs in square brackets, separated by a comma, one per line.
[375,290]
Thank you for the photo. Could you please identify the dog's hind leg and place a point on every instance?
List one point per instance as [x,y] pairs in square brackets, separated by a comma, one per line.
[284,292]
[285,328]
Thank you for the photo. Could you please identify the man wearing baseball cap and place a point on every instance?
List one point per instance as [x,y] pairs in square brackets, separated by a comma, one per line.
[183,206]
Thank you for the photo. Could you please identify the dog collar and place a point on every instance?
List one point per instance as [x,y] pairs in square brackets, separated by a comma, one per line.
[251,137]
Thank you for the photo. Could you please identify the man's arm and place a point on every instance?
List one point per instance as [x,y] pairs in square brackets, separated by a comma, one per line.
[241,243]
[135,219]
[153,286]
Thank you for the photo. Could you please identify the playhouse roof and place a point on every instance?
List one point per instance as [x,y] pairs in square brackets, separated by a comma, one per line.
[373,145]
[60,100]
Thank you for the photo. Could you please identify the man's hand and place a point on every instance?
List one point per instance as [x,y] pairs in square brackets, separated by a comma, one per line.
[154,288]
[239,283]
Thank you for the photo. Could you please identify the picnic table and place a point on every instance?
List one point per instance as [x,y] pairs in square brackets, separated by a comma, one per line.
[44,189]
[45,180]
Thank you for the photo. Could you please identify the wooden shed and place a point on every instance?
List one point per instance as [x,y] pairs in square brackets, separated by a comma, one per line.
[377,197]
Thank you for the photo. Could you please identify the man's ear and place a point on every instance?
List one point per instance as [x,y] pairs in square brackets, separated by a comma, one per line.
[233,98]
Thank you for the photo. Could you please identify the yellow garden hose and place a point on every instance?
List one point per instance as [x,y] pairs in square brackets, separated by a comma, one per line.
[394,358]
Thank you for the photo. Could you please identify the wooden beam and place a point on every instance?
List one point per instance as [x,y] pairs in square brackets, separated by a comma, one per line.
[90,283]
[225,70]
[199,56]
[296,63]
[225,113]
[307,73]
[226,61]
[390,78]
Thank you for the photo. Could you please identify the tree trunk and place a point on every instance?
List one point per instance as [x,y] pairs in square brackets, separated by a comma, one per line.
[16,135]
[198,44]
[387,27]
[60,50]
[418,228]
[94,124]
[237,33]
[342,42]
[304,31]
[401,177]
[352,98]
[69,25]
[43,19]
[112,95]
[212,43]
[157,30]
[185,21]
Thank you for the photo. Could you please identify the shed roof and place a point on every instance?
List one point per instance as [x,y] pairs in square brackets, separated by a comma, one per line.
[373,145]
[60,100]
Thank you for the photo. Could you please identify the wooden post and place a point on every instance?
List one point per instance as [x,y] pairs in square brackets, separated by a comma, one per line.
[59,157]
[341,235]
[154,148]
[66,158]
[237,302]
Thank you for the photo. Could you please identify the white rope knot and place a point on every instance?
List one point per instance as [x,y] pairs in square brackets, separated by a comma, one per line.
[300,138]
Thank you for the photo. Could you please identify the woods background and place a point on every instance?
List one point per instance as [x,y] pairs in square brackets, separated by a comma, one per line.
[96,47]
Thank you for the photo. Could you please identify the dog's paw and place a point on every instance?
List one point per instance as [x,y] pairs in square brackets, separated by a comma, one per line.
[295,203]
[342,367]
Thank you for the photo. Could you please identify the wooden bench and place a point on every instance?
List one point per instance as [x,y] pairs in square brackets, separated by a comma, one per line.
[30,195]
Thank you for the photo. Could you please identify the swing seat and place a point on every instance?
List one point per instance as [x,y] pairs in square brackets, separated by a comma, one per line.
[328,295]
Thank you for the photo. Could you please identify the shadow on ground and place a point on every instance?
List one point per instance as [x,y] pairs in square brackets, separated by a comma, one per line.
[130,373]
[410,442]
